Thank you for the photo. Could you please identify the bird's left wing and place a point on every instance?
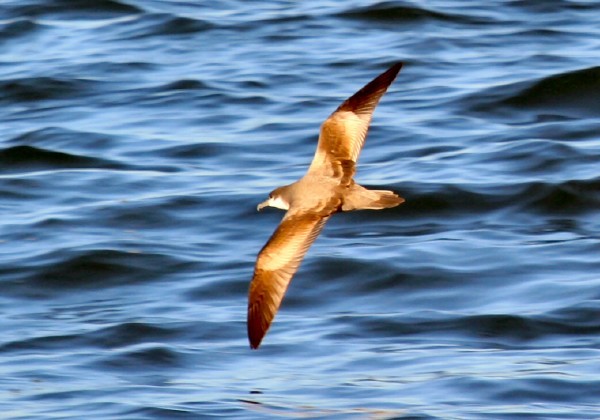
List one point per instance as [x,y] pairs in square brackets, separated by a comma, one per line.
[277,262]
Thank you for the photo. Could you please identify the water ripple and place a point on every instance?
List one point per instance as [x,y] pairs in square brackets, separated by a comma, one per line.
[138,138]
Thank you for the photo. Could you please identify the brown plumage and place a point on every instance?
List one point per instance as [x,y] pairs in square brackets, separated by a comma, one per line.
[326,188]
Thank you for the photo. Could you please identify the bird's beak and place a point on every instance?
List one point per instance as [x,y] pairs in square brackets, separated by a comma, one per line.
[263,204]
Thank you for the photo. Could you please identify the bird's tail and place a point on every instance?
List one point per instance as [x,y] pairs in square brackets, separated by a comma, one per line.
[385,200]
[361,198]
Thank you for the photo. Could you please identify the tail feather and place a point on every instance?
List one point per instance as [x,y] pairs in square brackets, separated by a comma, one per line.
[386,200]
[361,198]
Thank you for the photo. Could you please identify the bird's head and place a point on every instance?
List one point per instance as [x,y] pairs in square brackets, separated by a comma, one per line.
[277,199]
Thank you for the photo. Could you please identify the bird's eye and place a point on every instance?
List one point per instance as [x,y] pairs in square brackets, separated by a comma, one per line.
[270,196]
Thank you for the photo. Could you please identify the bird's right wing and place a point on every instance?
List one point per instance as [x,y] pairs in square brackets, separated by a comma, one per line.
[343,134]
[277,262]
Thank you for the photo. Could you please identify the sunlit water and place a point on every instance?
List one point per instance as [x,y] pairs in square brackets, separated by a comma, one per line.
[137,137]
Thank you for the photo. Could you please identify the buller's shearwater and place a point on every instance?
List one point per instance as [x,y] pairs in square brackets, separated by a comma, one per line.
[327,188]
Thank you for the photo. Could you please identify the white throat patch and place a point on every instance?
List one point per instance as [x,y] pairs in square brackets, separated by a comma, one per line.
[278,202]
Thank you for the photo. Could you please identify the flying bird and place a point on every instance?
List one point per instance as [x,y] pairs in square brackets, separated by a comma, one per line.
[327,187]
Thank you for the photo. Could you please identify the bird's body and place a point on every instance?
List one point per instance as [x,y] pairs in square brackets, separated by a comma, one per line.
[327,188]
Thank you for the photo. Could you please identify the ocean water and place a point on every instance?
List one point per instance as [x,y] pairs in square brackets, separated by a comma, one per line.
[137,138]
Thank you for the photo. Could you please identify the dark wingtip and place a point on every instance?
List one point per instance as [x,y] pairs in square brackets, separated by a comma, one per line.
[387,77]
[254,341]
[395,68]
[366,99]
[256,328]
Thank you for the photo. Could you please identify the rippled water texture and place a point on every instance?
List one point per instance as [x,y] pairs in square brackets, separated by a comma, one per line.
[137,137]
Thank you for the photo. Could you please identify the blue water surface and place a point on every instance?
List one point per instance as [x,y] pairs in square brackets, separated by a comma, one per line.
[138,136]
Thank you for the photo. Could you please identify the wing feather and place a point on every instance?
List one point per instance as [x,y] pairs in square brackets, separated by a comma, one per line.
[276,264]
[343,134]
